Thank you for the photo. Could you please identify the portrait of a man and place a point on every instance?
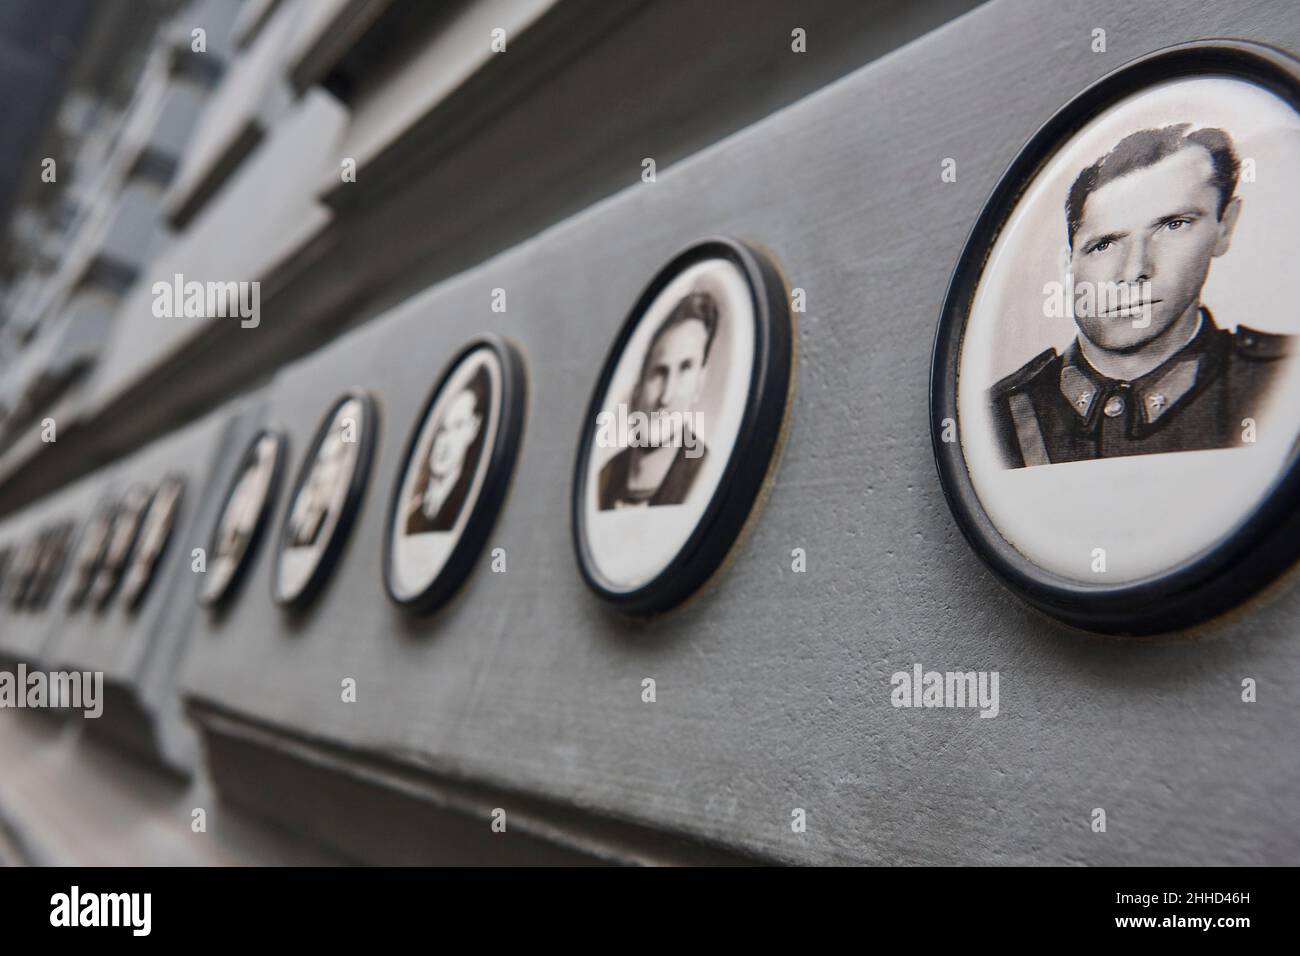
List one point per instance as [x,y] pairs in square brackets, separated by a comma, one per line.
[446,472]
[1149,370]
[662,470]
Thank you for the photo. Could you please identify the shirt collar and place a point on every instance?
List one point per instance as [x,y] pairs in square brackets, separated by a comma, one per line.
[1154,394]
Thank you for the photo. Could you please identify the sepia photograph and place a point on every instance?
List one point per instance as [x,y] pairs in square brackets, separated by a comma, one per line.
[1132,328]
[121,539]
[325,499]
[693,390]
[50,565]
[1149,372]
[245,512]
[662,452]
[668,422]
[23,571]
[90,552]
[453,481]
[155,534]
[445,474]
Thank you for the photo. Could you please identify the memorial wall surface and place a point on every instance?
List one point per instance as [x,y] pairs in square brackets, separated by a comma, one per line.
[832,433]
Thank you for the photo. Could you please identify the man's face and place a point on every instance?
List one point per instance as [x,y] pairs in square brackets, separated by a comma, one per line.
[674,371]
[1152,232]
[456,432]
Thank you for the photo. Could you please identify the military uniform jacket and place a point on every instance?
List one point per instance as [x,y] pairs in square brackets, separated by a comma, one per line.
[1059,408]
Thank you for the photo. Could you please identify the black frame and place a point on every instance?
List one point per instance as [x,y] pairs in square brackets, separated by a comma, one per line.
[53,560]
[135,601]
[496,480]
[753,457]
[1230,570]
[28,561]
[6,557]
[106,511]
[232,587]
[351,506]
[100,604]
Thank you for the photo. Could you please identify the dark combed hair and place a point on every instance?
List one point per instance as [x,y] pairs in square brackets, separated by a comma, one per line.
[695,307]
[1145,148]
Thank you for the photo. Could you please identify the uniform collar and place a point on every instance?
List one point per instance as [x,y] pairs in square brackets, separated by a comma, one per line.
[1155,394]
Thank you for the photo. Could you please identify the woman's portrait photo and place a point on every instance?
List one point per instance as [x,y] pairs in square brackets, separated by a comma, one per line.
[444,475]
[453,481]
[242,517]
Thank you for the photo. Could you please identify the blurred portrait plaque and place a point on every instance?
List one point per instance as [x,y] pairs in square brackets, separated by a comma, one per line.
[155,534]
[90,552]
[455,474]
[325,499]
[121,539]
[247,508]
